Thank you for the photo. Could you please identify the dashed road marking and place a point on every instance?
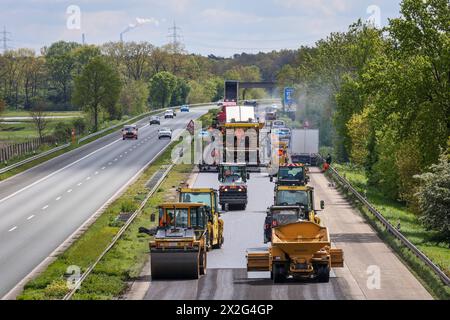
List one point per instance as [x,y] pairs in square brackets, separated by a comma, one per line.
[69,191]
[88,178]
[59,198]
[80,184]
[45,207]
[12,229]
[103,168]
[30,217]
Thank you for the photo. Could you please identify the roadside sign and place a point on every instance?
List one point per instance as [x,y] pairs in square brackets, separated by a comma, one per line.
[190,127]
[288,96]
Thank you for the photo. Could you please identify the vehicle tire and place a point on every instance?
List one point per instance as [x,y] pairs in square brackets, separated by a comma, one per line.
[323,273]
[203,262]
[279,273]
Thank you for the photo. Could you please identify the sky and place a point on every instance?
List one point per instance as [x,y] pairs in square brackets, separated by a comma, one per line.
[219,27]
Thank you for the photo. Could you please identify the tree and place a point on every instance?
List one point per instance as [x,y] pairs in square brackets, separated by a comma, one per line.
[162,86]
[38,115]
[61,63]
[134,97]
[180,93]
[97,88]
[434,197]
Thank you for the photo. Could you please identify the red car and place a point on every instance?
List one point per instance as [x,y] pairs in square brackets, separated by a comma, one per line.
[130,132]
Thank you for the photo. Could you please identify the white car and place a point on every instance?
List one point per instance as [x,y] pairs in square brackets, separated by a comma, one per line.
[169,114]
[164,133]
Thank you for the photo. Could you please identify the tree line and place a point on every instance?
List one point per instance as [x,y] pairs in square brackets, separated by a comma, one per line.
[381,98]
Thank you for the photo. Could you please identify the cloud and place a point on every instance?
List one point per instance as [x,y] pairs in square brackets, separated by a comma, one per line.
[323,7]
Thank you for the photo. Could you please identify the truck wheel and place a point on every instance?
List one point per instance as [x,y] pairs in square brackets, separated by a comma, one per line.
[323,273]
[279,273]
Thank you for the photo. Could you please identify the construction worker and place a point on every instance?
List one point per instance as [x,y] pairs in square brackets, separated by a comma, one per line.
[328,160]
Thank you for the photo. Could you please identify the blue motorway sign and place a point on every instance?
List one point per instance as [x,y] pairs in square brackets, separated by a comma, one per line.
[288,96]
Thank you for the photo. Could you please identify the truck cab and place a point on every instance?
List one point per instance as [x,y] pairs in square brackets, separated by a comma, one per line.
[301,196]
[293,174]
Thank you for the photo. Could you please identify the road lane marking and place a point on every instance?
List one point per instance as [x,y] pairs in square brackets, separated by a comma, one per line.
[69,191]
[103,168]
[115,159]
[96,172]
[30,217]
[59,198]
[12,229]
[57,171]
[109,163]
[88,178]
[45,207]
[80,184]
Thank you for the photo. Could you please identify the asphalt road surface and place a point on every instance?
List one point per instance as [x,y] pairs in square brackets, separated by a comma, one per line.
[42,207]
[366,256]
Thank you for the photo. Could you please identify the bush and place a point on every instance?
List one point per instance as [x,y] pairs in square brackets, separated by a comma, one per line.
[128,206]
[80,126]
[62,131]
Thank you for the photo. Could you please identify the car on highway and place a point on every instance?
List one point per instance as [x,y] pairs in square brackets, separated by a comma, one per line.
[253,103]
[278,124]
[155,120]
[184,108]
[130,132]
[169,114]
[165,133]
[220,103]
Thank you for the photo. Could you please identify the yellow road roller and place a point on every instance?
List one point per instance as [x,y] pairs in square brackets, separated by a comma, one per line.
[178,249]
[301,250]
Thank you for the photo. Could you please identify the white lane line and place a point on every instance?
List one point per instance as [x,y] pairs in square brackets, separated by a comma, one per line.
[126,152]
[88,178]
[103,168]
[121,156]
[59,198]
[30,217]
[56,172]
[45,207]
[115,159]
[69,191]
[12,229]
[80,184]
[96,173]
[109,163]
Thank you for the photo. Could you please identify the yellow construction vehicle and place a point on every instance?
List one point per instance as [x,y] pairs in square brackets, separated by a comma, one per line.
[299,250]
[178,249]
[302,196]
[207,196]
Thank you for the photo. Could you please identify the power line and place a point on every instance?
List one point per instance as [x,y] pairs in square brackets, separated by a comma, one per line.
[174,35]
[5,39]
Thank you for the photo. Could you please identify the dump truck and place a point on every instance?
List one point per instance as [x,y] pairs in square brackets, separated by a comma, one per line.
[291,174]
[301,250]
[207,196]
[233,185]
[179,247]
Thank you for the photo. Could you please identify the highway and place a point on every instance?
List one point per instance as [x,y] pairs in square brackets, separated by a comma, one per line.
[227,277]
[366,256]
[42,207]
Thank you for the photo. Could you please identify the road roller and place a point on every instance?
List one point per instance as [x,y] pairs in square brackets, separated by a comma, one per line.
[178,249]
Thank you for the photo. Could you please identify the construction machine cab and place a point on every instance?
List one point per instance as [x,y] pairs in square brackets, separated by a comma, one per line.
[291,175]
[233,172]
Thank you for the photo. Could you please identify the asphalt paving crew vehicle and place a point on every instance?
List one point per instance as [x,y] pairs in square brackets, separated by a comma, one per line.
[233,185]
[281,215]
[301,250]
[291,174]
[179,247]
[209,197]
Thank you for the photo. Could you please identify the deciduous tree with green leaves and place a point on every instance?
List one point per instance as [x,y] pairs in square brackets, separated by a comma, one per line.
[97,88]
[162,86]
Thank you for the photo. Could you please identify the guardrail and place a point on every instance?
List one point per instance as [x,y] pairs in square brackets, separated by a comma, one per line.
[390,228]
[41,155]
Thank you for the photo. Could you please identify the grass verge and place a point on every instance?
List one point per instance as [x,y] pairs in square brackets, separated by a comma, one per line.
[410,227]
[125,260]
